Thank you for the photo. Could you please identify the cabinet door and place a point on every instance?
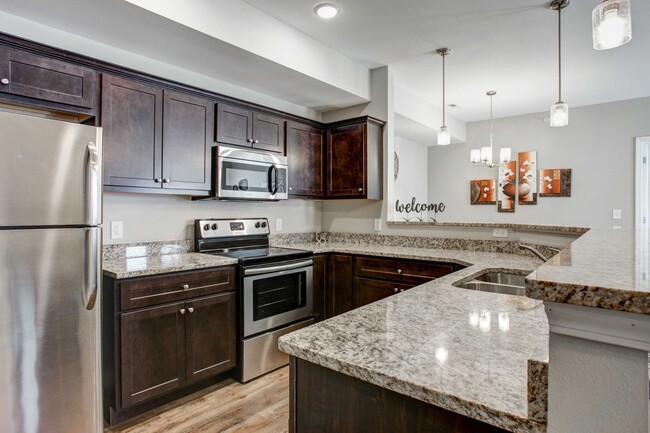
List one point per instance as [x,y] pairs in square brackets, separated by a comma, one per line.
[234,125]
[132,123]
[45,79]
[187,142]
[268,133]
[339,290]
[152,352]
[305,155]
[211,336]
[346,161]
[367,291]
[320,286]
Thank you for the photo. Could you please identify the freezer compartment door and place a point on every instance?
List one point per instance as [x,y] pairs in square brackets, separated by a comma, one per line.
[49,339]
[50,172]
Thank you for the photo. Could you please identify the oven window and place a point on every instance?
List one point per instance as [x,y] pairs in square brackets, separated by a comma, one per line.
[279,294]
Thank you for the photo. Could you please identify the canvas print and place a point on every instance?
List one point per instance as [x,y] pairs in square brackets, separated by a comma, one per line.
[527,189]
[483,191]
[555,182]
[507,187]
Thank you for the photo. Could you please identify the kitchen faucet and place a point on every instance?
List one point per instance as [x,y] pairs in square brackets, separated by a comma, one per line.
[536,252]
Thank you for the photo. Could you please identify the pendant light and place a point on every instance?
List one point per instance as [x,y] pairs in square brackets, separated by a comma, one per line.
[611,24]
[443,136]
[559,110]
[483,156]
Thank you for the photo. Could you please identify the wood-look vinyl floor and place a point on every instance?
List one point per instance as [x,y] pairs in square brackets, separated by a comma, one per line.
[259,406]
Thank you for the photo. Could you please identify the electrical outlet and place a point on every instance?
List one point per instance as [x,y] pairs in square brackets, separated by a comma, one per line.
[278,224]
[117,229]
[500,233]
[616,214]
[377,224]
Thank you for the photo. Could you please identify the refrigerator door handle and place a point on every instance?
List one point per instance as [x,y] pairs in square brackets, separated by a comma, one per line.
[92,274]
[93,182]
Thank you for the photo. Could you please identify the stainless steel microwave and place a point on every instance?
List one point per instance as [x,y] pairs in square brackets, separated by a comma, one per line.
[242,174]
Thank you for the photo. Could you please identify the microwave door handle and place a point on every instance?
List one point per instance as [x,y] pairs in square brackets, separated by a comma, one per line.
[273,179]
[276,181]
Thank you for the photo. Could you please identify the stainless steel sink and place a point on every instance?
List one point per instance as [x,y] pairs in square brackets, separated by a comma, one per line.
[498,282]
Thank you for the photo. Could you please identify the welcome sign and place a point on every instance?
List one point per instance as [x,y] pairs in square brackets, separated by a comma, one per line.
[419,208]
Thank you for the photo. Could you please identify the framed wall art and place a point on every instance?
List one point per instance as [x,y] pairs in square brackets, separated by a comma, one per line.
[555,182]
[483,191]
[527,187]
[507,187]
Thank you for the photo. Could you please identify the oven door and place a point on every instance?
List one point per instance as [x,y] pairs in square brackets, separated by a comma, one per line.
[246,175]
[277,294]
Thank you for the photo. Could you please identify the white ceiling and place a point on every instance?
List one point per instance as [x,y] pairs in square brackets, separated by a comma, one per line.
[505,45]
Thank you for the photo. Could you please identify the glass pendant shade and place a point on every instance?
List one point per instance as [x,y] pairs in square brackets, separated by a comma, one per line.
[559,114]
[443,136]
[611,24]
[475,156]
[486,155]
[505,155]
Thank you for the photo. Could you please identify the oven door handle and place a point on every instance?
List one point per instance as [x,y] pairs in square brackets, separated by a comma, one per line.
[279,268]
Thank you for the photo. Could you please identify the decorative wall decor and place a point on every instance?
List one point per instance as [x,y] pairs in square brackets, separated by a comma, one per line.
[555,182]
[482,191]
[507,187]
[527,189]
[421,210]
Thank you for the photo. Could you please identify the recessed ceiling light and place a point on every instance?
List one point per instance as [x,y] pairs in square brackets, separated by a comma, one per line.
[326,10]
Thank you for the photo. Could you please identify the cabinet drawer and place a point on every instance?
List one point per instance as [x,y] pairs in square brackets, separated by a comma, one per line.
[402,271]
[158,290]
[368,291]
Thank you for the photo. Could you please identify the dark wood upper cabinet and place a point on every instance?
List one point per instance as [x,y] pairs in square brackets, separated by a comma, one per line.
[42,81]
[210,336]
[152,352]
[239,126]
[187,141]
[156,139]
[306,160]
[354,159]
[132,120]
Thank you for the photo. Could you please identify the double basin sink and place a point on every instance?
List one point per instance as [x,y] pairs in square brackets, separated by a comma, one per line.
[497,282]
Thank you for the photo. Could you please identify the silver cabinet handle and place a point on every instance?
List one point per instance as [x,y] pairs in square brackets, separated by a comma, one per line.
[396,290]
[250,140]
[4,81]
[157,180]
[399,271]
[191,309]
[290,189]
[166,180]
[182,311]
[256,141]
[360,189]
[186,286]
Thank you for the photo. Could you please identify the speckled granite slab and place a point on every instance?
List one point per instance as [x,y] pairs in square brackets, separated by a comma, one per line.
[522,227]
[458,349]
[162,264]
[146,249]
[602,269]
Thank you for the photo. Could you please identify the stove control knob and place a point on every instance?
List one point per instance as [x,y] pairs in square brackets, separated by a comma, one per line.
[257,225]
[263,224]
[214,226]
[206,227]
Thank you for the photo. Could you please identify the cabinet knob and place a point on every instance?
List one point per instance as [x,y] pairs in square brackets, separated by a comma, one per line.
[290,189]
[250,140]
[165,180]
[191,309]
[256,141]
[4,80]
[360,189]
[157,180]
[182,311]
[186,286]
[399,271]
[396,290]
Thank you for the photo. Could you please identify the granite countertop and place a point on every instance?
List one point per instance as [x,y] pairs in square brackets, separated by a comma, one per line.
[129,267]
[479,354]
[604,268]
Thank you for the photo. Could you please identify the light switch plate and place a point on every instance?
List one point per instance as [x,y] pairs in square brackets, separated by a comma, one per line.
[500,233]
[616,214]
[278,224]
[117,229]
[377,224]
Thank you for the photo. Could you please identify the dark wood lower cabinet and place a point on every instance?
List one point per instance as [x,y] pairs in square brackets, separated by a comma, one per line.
[325,401]
[210,336]
[153,352]
[367,291]
[339,284]
[320,287]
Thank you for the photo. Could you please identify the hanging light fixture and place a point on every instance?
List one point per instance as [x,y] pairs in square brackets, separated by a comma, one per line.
[443,136]
[559,110]
[483,156]
[611,24]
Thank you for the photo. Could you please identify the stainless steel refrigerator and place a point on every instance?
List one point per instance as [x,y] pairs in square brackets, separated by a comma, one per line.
[50,274]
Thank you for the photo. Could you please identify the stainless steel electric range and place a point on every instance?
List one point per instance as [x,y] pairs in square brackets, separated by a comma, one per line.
[275,288]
